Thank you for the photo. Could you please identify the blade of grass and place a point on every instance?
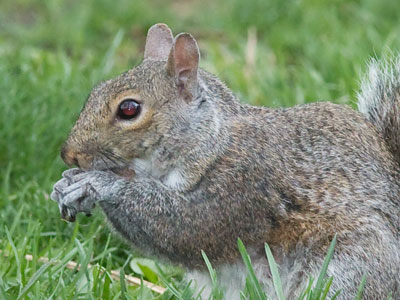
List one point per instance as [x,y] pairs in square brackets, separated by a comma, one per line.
[169,286]
[250,290]
[211,270]
[59,283]
[336,295]
[123,284]
[361,287]
[82,267]
[275,273]
[216,291]
[108,58]
[319,285]
[242,296]
[17,219]
[254,281]
[307,291]
[17,260]
[3,292]
[35,278]
[6,181]
[327,287]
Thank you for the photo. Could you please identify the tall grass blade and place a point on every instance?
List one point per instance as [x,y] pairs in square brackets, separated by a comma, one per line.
[170,287]
[307,291]
[275,273]
[3,292]
[335,295]
[14,249]
[108,58]
[327,288]
[320,281]
[123,284]
[35,278]
[6,181]
[252,276]
[361,287]
[216,291]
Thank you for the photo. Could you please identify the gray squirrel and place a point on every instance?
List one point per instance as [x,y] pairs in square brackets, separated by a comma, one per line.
[179,165]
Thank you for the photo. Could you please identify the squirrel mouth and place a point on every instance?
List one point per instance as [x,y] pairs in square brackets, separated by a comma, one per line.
[123,172]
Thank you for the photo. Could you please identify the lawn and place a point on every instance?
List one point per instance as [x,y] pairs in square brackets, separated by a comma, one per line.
[270,52]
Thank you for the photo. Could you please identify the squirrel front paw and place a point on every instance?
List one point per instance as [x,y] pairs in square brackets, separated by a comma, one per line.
[79,190]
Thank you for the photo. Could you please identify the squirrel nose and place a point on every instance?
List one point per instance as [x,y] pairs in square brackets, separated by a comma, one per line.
[69,157]
[75,158]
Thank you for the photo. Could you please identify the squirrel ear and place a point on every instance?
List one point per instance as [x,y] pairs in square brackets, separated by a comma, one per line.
[183,64]
[158,42]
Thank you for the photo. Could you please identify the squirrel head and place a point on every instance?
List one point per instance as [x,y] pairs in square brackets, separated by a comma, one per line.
[126,117]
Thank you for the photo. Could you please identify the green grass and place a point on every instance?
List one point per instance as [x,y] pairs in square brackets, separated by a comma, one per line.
[51,54]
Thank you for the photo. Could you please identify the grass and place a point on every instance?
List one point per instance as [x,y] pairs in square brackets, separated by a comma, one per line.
[52,52]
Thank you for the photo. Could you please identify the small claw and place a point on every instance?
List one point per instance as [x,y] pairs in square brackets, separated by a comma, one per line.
[63,211]
[68,214]
[72,219]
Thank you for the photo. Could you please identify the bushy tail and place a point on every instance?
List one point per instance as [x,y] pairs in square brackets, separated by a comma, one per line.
[379,100]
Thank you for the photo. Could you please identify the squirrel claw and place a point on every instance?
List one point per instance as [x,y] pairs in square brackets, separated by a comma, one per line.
[67,214]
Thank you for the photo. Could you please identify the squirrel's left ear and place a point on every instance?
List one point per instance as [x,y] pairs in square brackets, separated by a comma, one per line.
[183,64]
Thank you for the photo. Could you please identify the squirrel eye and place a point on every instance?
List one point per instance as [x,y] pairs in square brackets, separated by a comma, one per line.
[128,109]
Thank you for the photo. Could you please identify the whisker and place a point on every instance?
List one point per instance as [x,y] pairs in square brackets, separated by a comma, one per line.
[104,161]
[112,154]
[110,157]
[113,158]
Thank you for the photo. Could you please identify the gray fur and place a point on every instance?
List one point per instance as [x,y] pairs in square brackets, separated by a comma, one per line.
[210,169]
[379,99]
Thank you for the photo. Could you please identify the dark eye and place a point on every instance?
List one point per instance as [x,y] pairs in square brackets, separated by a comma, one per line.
[128,109]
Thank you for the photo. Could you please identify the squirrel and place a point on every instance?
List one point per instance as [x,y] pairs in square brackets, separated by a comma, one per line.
[179,165]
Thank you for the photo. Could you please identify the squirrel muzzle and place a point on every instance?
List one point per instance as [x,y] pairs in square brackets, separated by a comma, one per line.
[73,157]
